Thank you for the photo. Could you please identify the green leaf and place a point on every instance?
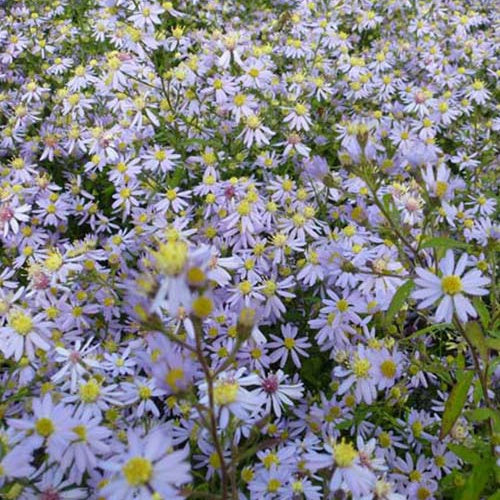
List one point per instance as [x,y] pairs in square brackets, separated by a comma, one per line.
[476,338]
[398,300]
[483,312]
[440,242]
[477,481]
[493,344]
[466,454]
[455,403]
[480,414]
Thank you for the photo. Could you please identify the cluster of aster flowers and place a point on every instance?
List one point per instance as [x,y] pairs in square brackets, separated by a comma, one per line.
[249,249]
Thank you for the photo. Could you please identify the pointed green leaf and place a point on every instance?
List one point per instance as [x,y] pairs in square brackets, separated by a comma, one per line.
[476,338]
[483,312]
[398,300]
[493,344]
[480,414]
[455,403]
[477,481]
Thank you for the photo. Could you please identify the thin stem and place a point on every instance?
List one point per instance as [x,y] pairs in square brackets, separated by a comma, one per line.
[209,375]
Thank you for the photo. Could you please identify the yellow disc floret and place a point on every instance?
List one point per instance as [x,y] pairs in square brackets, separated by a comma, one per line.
[137,471]
[361,367]
[21,322]
[388,368]
[344,454]
[44,427]
[225,392]
[451,284]
[171,257]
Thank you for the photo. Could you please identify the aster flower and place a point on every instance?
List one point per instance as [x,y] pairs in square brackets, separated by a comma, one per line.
[15,463]
[23,334]
[232,397]
[50,425]
[90,441]
[10,217]
[276,393]
[360,375]
[147,466]
[289,345]
[450,288]
[349,473]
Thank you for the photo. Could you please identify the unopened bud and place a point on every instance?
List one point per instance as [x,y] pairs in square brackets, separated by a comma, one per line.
[246,322]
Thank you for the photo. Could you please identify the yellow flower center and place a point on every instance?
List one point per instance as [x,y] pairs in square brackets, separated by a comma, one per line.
[247,474]
[452,284]
[240,99]
[171,194]
[202,306]
[270,288]
[415,476]
[423,493]
[342,305]
[273,485]
[160,155]
[289,343]
[244,208]
[388,368]
[349,231]
[417,428]
[81,432]
[253,122]
[44,427]
[478,85]
[245,287]
[441,188]
[195,276]
[173,376]
[384,439]
[171,257]
[21,322]
[90,391]
[137,471]
[345,454]
[53,261]
[270,459]
[145,392]
[214,460]
[300,109]
[225,392]
[361,367]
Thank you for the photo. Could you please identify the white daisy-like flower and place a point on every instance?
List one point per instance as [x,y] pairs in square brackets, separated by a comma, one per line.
[449,288]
